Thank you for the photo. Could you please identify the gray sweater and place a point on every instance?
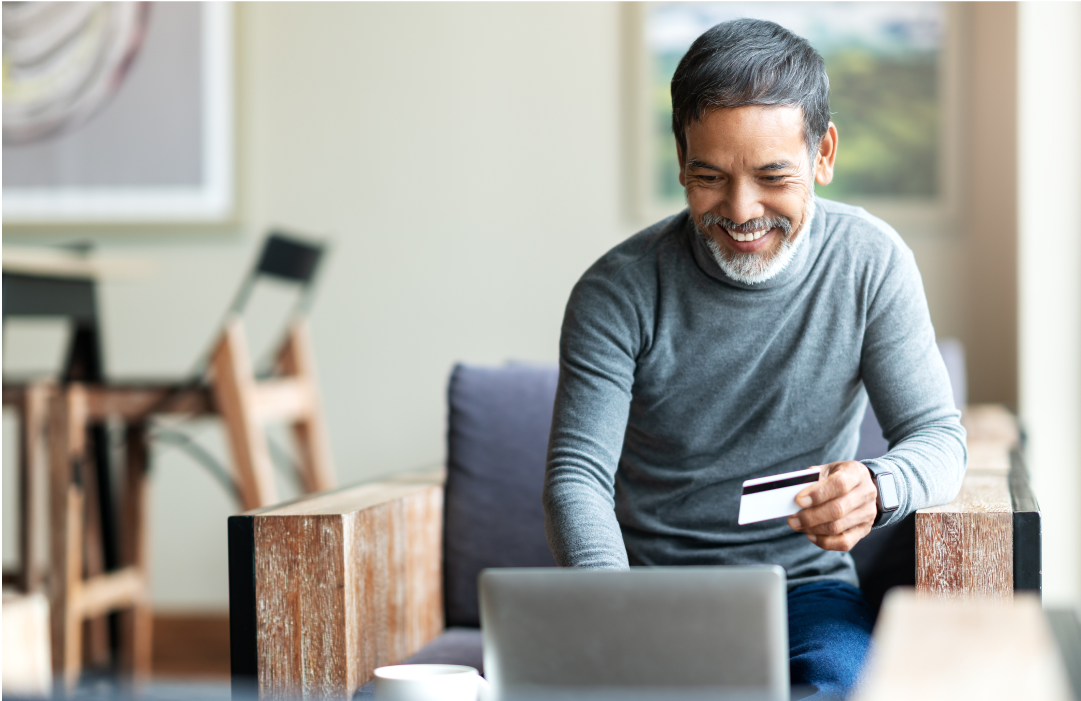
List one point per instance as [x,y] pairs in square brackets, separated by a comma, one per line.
[677,383]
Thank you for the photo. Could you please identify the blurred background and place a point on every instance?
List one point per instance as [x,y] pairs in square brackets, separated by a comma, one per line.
[465,164]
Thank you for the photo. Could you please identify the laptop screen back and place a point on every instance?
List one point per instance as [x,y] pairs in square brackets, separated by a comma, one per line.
[686,630]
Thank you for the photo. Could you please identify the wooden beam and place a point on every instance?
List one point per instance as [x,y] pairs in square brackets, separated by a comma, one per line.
[137,401]
[33,482]
[991,423]
[119,589]
[67,448]
[941,650]
[297,359]
[281,399]
[343,582]
[234,395]
[136,624]
[964,549]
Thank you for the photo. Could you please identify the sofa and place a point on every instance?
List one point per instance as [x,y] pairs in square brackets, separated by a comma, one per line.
[407,576]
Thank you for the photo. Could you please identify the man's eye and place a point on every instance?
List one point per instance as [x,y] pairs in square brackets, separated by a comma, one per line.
[707,178]
[773,178]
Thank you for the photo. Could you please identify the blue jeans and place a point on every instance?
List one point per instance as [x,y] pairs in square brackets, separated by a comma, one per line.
[829,634]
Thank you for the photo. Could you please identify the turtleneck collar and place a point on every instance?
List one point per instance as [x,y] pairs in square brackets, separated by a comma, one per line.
[812,233]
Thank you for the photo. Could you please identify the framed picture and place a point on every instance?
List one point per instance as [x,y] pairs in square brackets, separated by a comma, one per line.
[893,85]
[118,112]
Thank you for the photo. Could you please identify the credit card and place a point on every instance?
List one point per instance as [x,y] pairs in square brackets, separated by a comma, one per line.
[774,496]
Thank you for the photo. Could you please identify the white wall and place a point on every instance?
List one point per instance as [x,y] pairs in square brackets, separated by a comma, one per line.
[1049,275]
[466,161]
[464,158]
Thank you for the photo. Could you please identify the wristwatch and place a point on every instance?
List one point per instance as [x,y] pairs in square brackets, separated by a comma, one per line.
[888,500]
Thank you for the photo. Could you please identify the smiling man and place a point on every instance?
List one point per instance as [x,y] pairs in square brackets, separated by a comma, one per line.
[740,339]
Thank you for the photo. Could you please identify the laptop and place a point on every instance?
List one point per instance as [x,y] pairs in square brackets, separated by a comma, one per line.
[647,633]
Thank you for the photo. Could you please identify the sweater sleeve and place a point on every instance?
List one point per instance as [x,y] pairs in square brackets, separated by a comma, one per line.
[909,389]
[598,346]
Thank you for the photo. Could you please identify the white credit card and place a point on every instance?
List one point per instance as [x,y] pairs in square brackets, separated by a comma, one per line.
[774,496]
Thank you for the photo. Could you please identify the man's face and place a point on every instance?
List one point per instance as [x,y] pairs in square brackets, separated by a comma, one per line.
[749,179]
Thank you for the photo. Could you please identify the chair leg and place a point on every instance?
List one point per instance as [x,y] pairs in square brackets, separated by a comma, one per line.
[33,485]
[136,627]
[96,641]
[67,448]
[313,447]
[234,389]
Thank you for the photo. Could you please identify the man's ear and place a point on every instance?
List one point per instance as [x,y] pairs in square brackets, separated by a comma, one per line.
[827,154]
[679,155]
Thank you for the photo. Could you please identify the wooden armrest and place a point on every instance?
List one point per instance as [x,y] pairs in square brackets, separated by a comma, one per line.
[943,650]
[325,588]
[986,542]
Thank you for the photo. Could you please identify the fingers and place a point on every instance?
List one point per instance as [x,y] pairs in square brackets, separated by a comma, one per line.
[841,478]
[842,541]
[852,505]
[860,514]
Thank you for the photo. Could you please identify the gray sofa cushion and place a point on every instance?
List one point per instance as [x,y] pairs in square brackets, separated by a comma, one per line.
[497,442]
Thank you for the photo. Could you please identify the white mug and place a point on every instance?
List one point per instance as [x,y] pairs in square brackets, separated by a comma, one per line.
[429,682]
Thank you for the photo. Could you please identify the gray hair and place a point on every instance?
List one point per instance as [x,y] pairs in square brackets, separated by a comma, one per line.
[751,62]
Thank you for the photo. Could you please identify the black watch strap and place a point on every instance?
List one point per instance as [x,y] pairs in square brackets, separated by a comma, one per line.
[888,499]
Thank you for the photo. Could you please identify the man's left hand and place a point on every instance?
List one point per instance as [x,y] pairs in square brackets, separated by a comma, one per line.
[839,509]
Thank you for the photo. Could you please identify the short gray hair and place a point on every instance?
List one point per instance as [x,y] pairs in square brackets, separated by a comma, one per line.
[751,62]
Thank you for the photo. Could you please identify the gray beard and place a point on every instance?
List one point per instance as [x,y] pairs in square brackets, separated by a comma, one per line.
[756,268]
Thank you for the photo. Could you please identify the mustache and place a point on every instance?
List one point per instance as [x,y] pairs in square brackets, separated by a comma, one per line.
[782,223]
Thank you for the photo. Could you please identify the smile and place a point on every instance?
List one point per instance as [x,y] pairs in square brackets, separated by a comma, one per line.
[749,236]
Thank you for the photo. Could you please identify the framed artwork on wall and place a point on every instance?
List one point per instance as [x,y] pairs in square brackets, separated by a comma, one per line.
[893,95]
[118,112]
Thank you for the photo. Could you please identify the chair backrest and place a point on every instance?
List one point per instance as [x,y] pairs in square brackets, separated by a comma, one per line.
[499,421]
[286,258]
[71,298]
[497,441]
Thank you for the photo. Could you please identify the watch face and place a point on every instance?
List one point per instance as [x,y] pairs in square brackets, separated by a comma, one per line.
[887,493]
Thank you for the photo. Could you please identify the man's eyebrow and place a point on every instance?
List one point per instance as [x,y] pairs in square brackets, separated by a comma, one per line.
[695,163]
[776,165]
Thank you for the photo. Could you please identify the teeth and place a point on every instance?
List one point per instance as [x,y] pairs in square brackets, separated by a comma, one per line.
[752,236]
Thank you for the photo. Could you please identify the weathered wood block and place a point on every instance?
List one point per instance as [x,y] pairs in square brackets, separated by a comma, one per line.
[331,587]
[965,548]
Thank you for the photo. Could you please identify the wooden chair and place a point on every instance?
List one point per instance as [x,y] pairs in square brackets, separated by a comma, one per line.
[247,404]
[325,588]
[89,575]
[75,598]
[79,593]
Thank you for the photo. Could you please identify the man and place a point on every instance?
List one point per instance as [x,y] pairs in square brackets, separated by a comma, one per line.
[741,338]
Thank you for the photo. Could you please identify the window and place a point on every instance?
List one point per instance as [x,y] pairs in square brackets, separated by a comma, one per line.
[887,66]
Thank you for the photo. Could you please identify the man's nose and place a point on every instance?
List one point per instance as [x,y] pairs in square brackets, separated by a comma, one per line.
[742,203]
